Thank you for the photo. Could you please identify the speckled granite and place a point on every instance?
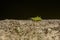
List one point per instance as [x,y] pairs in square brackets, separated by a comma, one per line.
[29,30]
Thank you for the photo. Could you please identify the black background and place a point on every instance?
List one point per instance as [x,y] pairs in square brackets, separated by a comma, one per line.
[27,8]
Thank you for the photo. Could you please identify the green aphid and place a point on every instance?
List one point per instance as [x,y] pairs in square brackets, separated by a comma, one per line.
[36,18]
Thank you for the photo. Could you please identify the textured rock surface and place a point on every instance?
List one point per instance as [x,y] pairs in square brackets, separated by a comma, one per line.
[29,30]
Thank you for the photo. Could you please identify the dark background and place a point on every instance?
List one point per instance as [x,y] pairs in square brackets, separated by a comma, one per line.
[27,8]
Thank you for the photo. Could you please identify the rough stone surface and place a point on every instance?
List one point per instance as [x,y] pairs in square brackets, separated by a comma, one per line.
[29,30]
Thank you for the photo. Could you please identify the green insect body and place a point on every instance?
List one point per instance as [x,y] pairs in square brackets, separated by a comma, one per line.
[37,18]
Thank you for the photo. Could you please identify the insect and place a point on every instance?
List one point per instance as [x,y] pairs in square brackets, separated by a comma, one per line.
[36,18]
